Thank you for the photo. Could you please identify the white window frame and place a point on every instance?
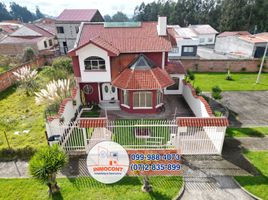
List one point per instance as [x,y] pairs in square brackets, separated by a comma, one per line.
[201,40]
[188,49]
[145,100]
[125,94]
[159,98]
[93,66]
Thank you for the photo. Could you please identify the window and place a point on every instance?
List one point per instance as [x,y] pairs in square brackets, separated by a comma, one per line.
[94,63]
[201,40]
[210,39]
[142,99]
[77,29]
[175,50]
[188,49]
[125,97]
[60,29]
[176,85]
[50,42]
[45,44]
[159,97]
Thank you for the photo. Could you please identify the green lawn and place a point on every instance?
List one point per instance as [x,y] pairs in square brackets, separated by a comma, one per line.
[247,132]
[240,82]
[257,185]
[23,115]
[164,188]
[126,135]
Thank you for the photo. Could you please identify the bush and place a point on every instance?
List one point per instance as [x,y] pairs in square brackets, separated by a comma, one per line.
[198,90]
[217,113]
[28,54]
[52,73]
[229,76]
[243,69]
[216,92]
[63,63]
[190,76]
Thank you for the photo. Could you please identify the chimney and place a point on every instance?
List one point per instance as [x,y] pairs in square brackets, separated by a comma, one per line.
[162,26]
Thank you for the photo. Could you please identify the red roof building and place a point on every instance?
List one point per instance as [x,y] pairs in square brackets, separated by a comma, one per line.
[125,64]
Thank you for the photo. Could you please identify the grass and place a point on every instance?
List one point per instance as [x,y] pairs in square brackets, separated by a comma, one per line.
[20,113]
[4,69]
[240,82]
[247,132]
[126,135]
[164,188]
[257,185]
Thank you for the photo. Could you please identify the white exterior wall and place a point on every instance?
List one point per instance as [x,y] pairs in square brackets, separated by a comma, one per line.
[195,104]
[41,46]
[206,38]
[53,127]
[184,42]
[231,44]
[94,76]
[179,91]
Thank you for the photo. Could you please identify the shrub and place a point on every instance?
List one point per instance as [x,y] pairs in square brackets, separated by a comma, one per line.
[28,54]
[26,78]
[216,92]
[229,76]
[243,69]
[190,76]
[63,63]
[217,113]
[52,73]
[198,90]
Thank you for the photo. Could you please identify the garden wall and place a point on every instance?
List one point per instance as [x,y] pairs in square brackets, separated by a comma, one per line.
[198,104]
[7,78]
[204,65]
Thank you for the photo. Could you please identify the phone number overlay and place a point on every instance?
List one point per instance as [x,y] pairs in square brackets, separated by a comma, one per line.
[155,157]
[155,167]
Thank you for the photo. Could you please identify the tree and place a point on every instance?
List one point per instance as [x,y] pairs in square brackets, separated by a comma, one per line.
[38,13]
[46,163]
[22,13]
[120,17]
[4,14]
[28,54]
[107,18]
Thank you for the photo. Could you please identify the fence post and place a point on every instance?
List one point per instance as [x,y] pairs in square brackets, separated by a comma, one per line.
[84,136]
[7,140]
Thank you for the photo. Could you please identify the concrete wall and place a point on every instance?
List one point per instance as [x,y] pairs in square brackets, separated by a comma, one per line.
[194,102]
[179,91]
[16,49]
[204,65]
[232,44]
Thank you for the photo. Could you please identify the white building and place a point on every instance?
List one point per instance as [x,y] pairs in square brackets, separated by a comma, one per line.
[68,23]
[205,33]
[185,42]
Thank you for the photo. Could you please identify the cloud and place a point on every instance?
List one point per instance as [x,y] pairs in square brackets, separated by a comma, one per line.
[55,7]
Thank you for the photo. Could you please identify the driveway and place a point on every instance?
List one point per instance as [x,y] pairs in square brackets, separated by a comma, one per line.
[247,108]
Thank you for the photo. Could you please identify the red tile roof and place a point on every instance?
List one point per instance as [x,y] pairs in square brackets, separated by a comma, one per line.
[127,39]
[233,33]
[39,30]
[253,38]
[92,123]
[155,78]
[199,122]
[77,15]
[175,67]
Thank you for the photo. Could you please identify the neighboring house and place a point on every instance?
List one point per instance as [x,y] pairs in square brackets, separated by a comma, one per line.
[205,33]
[68,22]
[241,43]
[6,28]
[124,65]
[40,37]
[185,42]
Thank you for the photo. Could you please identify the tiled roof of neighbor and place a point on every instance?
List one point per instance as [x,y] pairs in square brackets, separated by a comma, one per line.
[155,78]
[127,39]
[31,30]
[233,33]
[77,15]
[175,67]
[199,121]
[203,29]
[20,40]
[263,35]
[253,38]
[51,28]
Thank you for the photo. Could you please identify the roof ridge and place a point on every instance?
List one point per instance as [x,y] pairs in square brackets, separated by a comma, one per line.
[42,29]
[155,77]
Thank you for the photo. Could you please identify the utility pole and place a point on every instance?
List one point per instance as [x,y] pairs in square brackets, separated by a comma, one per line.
[262,62]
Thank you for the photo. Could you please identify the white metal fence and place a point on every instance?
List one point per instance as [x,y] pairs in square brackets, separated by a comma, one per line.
[142,134]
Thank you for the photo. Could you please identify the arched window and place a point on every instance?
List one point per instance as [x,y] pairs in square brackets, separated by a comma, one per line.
[94,63]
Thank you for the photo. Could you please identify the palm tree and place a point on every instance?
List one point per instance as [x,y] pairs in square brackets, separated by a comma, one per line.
[46,163]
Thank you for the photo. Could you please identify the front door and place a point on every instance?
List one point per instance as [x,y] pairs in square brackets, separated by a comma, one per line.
[109,92]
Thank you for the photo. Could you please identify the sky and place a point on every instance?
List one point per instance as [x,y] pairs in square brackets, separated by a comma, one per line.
[55,7]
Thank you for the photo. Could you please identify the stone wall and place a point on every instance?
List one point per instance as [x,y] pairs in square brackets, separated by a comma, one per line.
[204,65]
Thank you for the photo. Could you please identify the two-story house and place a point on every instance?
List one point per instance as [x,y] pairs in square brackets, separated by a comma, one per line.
[124,65]
[68,22]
